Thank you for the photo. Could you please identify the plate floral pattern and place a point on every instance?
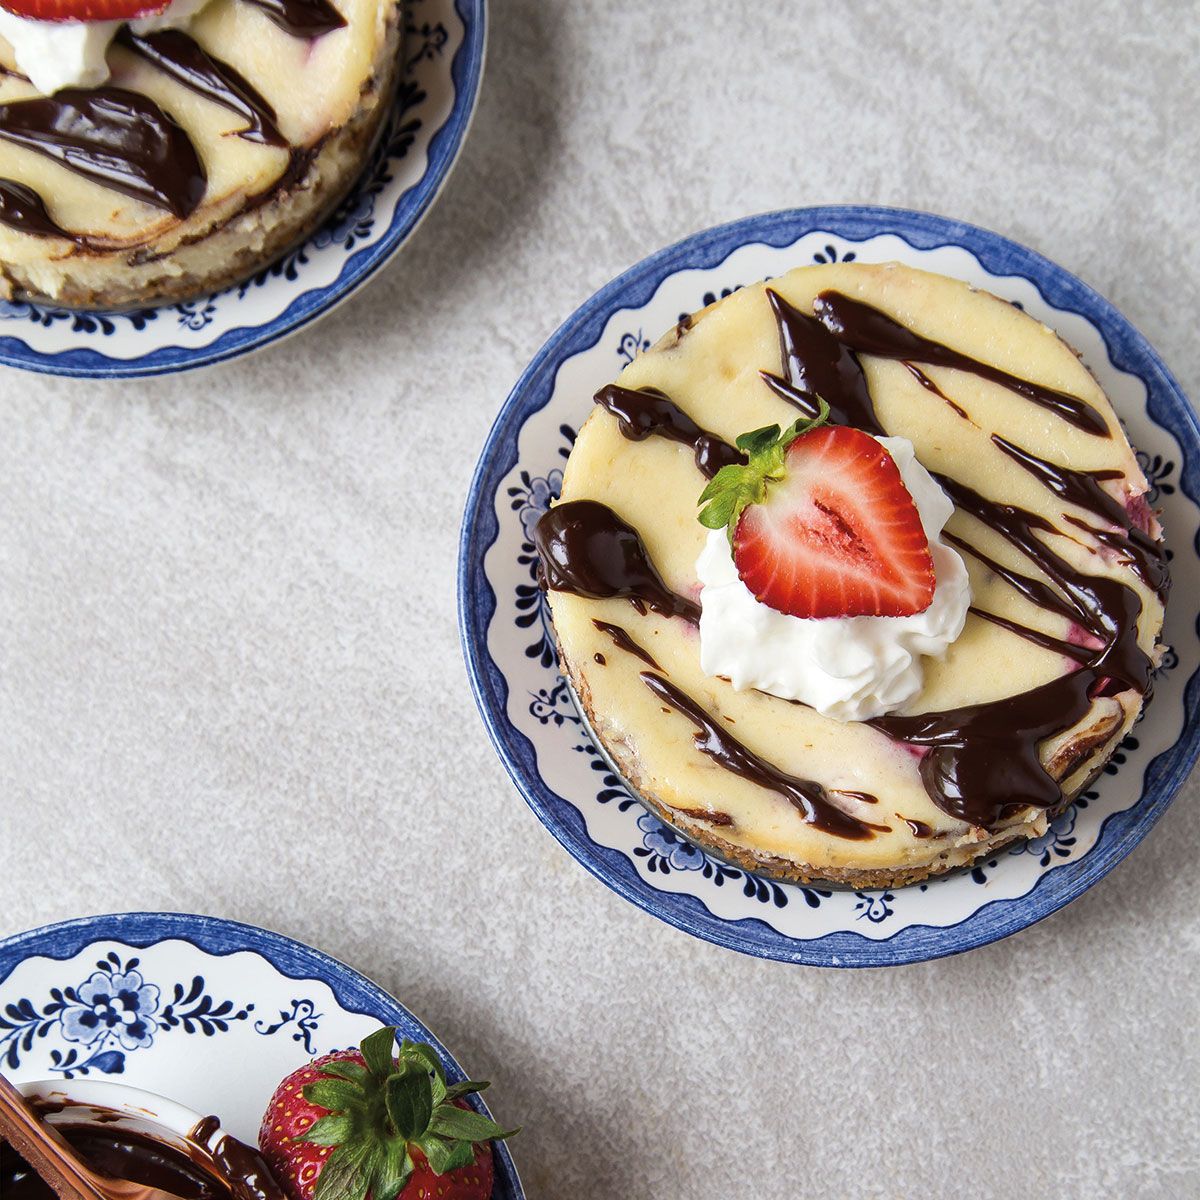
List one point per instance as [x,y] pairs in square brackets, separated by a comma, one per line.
[542,739]
[443,62]
[207,1012]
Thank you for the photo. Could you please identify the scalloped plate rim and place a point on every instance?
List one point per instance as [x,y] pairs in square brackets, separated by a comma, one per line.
[445,148]
[706,250]
[220,937]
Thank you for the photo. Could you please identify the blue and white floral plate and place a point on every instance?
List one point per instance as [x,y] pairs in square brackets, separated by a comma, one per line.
[443,63]
[210,1013]
[538,732]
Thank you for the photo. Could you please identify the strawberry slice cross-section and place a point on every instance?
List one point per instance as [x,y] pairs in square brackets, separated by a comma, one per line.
[84,10]
[821,524]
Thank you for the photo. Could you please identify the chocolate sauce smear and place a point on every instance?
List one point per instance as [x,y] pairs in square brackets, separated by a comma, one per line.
[815,364]
[118,138]
[983,759]
[1034,590]
[623,641]
[180,56]
[1146,557]
[930,386]
[643,411]
[1080,654]
[302,18]
[588,550]
[869,331]
[240,1166]
[809,797]
[21,208]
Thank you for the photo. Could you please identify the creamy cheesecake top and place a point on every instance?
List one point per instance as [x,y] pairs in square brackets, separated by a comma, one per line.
[190,124]
[1067,577]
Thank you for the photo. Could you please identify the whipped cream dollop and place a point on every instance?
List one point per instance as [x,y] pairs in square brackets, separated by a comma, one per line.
[849,668]
[59,54]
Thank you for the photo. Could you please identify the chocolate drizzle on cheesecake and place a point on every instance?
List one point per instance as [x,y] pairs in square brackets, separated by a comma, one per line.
[124,141]
[23,209]
[1034,590]
[1083,488]
[115,137]
[866,330]
[816,364]
[930,386]
[809,797]
[588,550]
[982,763]
[623,641]
[1080,654]
[180,56]
[643,411]
[302,18]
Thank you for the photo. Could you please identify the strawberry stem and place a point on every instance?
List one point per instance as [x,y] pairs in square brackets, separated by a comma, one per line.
[378,1113]
[738,485]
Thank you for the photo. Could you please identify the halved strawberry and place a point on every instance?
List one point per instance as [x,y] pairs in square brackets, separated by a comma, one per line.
[84,10]
[822,525]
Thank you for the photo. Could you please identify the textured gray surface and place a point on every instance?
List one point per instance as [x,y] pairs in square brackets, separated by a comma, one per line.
[230,678]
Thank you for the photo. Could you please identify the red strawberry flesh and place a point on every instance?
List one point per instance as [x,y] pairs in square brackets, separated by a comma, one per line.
[84,10]
[838,536]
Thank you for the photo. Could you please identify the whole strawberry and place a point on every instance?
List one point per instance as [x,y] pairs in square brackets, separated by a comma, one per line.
[378,1123]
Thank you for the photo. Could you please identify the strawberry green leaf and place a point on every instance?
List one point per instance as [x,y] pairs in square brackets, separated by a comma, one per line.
[328,1131]
[455,1090]
[721,497]
[392,1172]
[359,1186]
[340,1177]
[758,440]
[738,485]
[378,1049]
[425,1054]
[465,1124]
[445,1155]
[345,1070]
[409,1097]
[334,1094]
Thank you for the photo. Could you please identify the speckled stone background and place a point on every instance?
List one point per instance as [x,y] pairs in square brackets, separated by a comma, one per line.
[230,678]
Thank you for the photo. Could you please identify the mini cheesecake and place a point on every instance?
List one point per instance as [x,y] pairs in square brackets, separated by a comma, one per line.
[1033,686]
[206,150]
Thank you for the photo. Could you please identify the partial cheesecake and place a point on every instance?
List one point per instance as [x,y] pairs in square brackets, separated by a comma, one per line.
[870,750]
[190,146]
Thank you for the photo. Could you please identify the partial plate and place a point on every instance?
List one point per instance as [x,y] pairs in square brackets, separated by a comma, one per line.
[207,1012]
[538,733]
[443,51]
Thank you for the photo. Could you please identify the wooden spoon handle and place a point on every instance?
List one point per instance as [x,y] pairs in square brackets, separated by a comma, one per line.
[44,1148]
